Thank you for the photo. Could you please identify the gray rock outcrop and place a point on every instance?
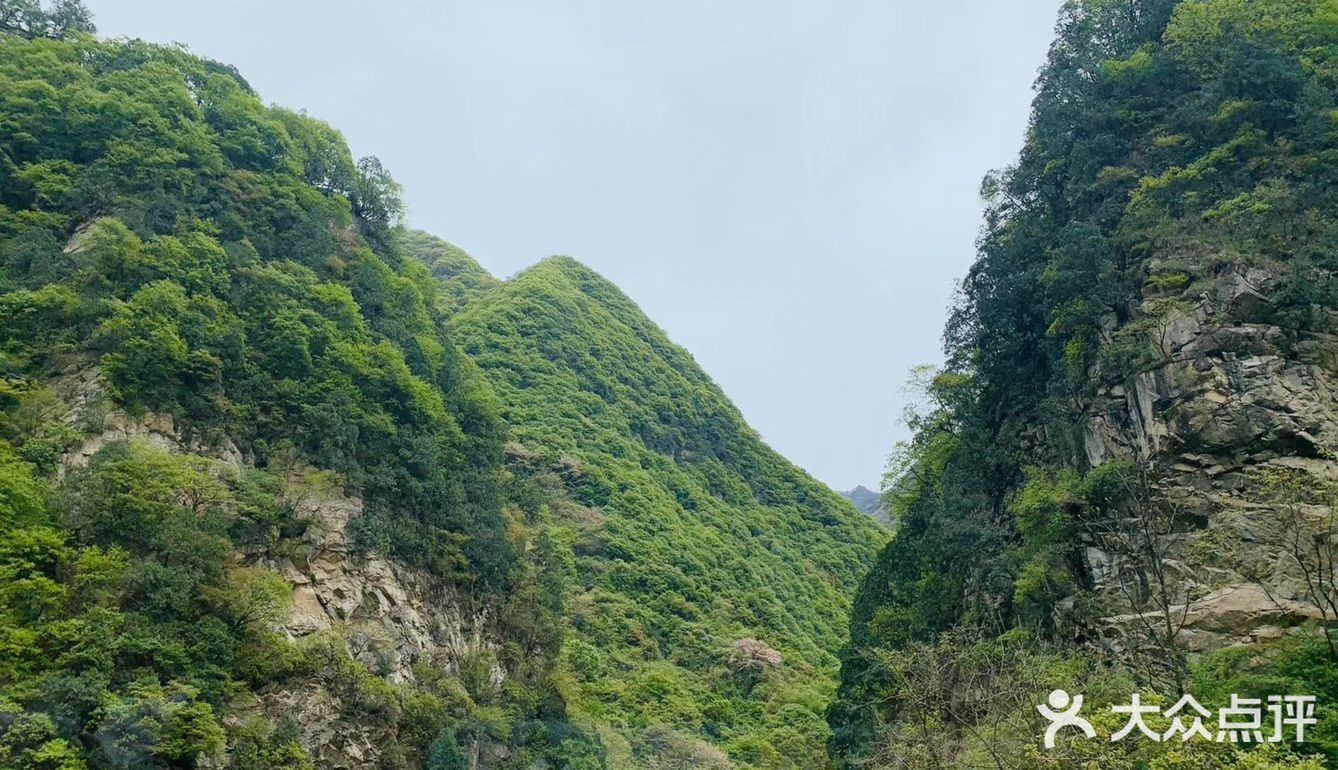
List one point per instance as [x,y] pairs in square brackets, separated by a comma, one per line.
[1229,400]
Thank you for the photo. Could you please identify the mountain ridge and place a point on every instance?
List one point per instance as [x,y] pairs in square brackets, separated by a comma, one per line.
[864,499]
[650,432]
[286,485]
[1123,477]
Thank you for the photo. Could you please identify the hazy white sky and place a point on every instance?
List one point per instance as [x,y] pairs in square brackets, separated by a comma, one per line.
[788,188]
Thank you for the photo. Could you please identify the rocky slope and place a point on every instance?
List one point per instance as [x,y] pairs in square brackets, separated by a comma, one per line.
[386,616]
[863,499]
[1237,400]
[870,504]
[1129,459]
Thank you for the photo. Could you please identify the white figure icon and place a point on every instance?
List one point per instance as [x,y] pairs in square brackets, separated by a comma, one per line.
[1063,712]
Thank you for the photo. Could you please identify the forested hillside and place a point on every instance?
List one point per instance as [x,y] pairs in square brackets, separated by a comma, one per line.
[209,323]
[711,576]
[283,484]
[1126,470]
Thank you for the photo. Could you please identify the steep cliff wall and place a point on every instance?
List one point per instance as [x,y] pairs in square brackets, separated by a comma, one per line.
[1128,463]
[362,617]
[1236,401]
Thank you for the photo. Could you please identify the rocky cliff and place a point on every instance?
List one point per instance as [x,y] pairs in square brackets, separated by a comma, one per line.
[869,503]
[862,498]
[1129,457]
[1236,403]
[348,605]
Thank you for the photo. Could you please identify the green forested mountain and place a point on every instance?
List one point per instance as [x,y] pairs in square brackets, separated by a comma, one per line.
[1129,459]
[697,537]
[285,485]
[459,276]
[187,268]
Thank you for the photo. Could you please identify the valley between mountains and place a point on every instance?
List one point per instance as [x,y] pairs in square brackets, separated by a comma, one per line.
[287,484]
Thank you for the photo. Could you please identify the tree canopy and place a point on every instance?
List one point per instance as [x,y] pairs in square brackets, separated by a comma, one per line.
[1168,140]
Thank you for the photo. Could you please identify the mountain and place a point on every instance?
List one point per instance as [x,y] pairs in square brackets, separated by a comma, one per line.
[1127,479]
[870,504]
[461,278]
[865,501]
[283,484]
[711,576]
[253,509]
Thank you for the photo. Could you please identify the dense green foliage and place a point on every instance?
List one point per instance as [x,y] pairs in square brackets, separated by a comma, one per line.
[170,245]
[126,622]
[131,636]
[28,18]
[690,534]
[230,264]
[460,277]
[661,589]
[964,701]
[1168,141]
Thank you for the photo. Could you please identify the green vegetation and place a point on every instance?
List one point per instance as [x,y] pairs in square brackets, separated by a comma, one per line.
[688,539]
[170,245]
[131,636]
[230,264]
[459,276]
[1169,141]
[661,589]
[964,701]
[125,615]
[27,18]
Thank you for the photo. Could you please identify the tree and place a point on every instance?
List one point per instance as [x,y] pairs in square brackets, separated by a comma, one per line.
[151,724]
[662,748]
[31,741]
[28,19]
[445,754]
[250,598]
[1142,531]
[376,198]
[752,660]
[67,17]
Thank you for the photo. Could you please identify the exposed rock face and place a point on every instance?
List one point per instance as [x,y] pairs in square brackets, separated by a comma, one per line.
[863,499]
[383,614]
[80,388]
[388,616]
[332,740]
[393,616]
[1232,398]
[869,503]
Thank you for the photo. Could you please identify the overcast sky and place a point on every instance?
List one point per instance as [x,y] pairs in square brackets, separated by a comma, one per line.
[788,188]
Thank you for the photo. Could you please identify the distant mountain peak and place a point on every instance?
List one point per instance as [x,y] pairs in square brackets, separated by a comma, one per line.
[864,499]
